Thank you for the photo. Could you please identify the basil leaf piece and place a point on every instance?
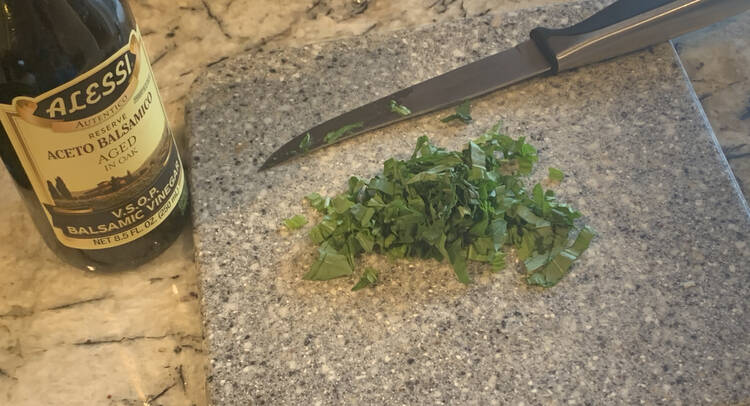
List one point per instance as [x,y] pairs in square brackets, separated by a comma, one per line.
[369,278]
[341,204]
[497,260]
[457,256]
[296,222]
[329,265]
[560,264]
[463,113]
[556,174]
[318,202]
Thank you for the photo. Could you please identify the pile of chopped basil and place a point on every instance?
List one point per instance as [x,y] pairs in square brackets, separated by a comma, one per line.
[448,205]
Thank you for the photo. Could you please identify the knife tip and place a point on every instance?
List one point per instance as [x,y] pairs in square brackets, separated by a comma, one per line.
[265,166]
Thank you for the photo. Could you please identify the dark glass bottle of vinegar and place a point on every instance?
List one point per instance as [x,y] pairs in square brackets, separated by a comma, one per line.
[84,133]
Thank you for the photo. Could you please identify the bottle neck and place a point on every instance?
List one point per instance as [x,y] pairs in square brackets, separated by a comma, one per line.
[46,43]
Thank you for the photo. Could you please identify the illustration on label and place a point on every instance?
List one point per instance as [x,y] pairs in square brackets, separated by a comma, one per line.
[99,153]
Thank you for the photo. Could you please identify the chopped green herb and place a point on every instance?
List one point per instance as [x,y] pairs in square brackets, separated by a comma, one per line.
[556,175]
[399,109]
[295,222]
[330,264]
[463,113]
[550,271]
[304,145]
[318,202]
[369,278]
[455,206]
[333,136]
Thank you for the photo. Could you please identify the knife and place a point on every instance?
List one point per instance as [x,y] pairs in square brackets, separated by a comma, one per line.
[621,28]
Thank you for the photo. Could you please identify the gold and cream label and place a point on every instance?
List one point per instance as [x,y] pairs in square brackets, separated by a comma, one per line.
[99,153]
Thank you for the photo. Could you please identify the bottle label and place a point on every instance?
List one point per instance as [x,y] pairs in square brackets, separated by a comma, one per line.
[99,152]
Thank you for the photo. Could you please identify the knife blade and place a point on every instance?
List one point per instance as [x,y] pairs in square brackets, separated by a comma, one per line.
[623,27]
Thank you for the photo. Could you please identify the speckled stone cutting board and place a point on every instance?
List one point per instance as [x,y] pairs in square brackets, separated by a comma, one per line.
[656,311]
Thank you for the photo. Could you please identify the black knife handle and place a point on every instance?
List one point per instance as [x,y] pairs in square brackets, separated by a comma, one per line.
[627,26]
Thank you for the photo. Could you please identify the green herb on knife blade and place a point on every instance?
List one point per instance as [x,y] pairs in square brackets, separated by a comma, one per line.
[463,113]
[455,206]
[295,222]
[333,136]
[399,109]
[304,145]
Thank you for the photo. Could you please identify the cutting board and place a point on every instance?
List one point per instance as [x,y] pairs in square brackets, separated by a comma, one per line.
[655,311]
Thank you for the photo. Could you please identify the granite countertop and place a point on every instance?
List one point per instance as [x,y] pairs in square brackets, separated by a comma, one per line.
[136,338]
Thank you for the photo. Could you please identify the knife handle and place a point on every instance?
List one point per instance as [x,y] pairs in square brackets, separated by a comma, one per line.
[627,26]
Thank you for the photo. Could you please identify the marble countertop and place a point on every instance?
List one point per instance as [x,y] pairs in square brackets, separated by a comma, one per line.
[135,338]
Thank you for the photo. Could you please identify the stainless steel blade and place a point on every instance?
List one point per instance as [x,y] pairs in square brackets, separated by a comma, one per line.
[467,82]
